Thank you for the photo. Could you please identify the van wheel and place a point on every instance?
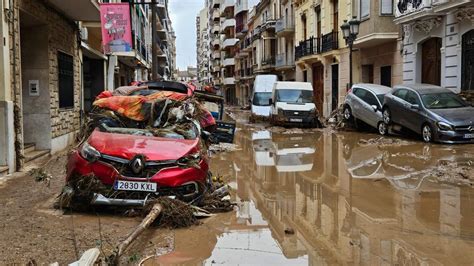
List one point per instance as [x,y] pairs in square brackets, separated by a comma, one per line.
[427,133]
[347,113]
[383,128]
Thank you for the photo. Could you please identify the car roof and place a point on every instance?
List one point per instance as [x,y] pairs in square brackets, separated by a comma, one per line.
[167,85]
[376,88]
[423,88]
[293,85]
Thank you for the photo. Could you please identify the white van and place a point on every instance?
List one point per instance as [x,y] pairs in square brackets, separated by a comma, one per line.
[292,102]
[262,92]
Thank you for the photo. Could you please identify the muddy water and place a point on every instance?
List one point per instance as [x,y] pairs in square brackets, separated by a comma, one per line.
[325,198]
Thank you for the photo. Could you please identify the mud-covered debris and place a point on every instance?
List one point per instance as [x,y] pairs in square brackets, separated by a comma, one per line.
[289,231]
[223,147]
[382,141]
[40,175]
[461,173]
[175,213]
[218,201]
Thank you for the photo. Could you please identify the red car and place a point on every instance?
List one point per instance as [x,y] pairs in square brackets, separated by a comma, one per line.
[141,166]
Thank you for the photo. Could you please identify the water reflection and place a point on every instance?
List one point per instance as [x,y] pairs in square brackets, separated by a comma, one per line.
[345,203]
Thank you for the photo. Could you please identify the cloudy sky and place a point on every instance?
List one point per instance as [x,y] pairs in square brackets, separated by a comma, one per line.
[183,16]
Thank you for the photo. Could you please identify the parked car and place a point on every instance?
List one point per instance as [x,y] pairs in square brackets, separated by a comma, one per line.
[292,103]
[364,103]
[436,113]
[262,92]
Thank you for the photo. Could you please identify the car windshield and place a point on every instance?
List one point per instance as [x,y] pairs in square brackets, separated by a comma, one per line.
[380,97]
[444,100]
[294,96]
[262,98]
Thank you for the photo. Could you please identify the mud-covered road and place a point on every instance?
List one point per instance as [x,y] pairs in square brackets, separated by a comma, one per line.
[306,197]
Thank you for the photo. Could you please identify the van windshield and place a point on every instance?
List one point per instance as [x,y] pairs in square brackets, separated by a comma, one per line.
[294,96]
[262,98]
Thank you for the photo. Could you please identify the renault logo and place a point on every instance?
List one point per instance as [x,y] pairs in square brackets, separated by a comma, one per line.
[137,165]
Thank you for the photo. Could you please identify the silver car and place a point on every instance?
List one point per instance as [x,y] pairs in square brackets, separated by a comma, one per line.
[364,103]
[436,113]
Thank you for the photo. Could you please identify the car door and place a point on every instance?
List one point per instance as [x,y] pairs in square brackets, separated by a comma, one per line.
[413,118]
[368,115]
[357,101]
[397,105]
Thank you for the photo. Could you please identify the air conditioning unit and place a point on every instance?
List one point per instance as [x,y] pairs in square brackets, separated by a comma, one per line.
[84,34]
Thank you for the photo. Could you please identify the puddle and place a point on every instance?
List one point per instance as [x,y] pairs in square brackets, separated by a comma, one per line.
[315,198]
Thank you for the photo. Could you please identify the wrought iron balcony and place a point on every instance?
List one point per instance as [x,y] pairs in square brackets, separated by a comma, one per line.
[285,24]
[307,47]
[329,42]
[284,60]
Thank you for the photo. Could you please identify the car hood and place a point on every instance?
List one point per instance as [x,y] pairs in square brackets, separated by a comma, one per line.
[154,148]
[457,116]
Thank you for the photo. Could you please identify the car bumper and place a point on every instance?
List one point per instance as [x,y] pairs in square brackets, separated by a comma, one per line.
[293,120]
[170,181]
[452,137]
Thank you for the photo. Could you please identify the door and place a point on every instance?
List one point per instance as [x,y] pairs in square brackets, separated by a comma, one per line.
[412,118]
[397,106]
[335,86]
[386,76]
[365,111]
[318,86]
[468,61]
[431,61]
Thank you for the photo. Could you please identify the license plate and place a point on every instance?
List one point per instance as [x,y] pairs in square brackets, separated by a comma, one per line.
[469,136]
[135,186]
[296,120]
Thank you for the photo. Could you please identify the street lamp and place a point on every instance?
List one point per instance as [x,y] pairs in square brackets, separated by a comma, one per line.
[350,30]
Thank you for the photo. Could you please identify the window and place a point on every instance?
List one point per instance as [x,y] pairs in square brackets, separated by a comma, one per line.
[386,76]
[65,80]
[367,97]
[364,8]
[386,7]
[412,98]
[400,94]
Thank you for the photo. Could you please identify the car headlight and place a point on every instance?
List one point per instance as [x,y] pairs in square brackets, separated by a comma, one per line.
[89,153]
[193,157]
[312,110]
[444,126]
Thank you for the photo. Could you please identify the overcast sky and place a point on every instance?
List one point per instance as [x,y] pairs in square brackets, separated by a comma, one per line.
[183,16]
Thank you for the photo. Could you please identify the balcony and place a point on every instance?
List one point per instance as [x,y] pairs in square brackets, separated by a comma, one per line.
[268,25]
[329,42]
[375,31]
[215,15]
[79,10]
[241,6]
[216,55]
[216,29]
[229,81]
[228,23]
[307,47]
[241,30]
[284,61]
[228,43]
[226,6]
[268,62]
[285,26]
[228,62]
[216,43]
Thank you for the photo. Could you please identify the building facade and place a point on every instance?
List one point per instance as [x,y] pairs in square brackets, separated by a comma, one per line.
[214,26]
[437,43]
[228,50]
[202,46]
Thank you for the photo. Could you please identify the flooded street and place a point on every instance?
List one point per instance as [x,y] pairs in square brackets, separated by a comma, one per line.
[334,198]
[305,197]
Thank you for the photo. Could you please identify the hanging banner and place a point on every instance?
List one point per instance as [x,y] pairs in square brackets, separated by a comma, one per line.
[116,27]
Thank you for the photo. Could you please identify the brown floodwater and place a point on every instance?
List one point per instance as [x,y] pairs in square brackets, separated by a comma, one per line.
[320,197]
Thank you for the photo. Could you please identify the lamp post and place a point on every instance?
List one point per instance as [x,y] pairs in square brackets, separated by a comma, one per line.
[350,30]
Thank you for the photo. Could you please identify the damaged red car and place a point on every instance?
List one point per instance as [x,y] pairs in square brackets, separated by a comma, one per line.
[135,164]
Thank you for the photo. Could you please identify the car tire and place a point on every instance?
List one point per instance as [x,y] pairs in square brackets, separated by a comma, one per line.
[382,128]
[427,133]
[387,116]
[347,114]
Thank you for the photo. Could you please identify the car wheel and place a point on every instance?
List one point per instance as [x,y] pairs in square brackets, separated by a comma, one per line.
[387,116]
[383,128]
[427,133]
[347,113]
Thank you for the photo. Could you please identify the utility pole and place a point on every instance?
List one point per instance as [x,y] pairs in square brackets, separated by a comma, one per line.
[154,59]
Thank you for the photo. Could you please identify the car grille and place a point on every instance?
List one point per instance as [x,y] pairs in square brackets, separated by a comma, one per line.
[296,113]
[465,129]
[150,169]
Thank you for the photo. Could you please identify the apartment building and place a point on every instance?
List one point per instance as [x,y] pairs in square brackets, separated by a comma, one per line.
[285,31]
[202,46]
[437,43]
[241,15]
[377,57]
[229,50]
[214,27]
[166,42]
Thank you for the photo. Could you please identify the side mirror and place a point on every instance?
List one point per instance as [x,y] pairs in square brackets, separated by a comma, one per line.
[415,107]
[270,101]
[375,107]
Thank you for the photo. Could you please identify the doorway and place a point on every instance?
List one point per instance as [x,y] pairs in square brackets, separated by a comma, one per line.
[431,61]
[36,100]
[386,76]
[335,86]
[93,71]
[318,86]
[467,77]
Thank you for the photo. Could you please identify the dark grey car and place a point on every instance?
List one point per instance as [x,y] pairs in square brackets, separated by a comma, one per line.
[437,114]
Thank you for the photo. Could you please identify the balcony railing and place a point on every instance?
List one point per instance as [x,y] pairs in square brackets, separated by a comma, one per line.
[269,61]
[308,47]
[285,24]
[283,60]
[329,42]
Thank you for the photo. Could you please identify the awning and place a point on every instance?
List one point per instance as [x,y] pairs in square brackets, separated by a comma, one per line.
[79,10]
